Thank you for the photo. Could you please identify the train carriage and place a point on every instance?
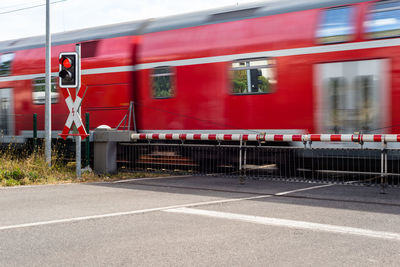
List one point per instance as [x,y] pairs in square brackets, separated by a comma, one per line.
[286,66]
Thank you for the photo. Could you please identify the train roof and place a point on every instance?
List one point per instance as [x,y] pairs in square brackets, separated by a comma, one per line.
[245,11]
[212,16]
[101,32]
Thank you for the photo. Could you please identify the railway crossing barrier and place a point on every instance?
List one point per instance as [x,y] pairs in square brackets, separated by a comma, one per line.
[358,159]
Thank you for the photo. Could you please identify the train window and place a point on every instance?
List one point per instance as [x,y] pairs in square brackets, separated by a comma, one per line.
[366,113]
[6,120]
[336,25]
[5,63]
[89,49]
[384,20]
[162,82]
[253,76]
[244,13]
[38,93]
[336,92]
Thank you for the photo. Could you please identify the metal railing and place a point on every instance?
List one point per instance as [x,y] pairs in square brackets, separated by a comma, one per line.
[267,157]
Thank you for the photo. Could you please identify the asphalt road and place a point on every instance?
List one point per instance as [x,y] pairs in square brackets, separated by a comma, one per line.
[199,221]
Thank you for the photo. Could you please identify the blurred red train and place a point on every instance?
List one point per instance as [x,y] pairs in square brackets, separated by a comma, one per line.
[300,66]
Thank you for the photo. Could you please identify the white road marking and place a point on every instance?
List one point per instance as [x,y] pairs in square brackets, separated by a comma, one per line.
[289,223]
[302,189]
[108,215]
[149,179]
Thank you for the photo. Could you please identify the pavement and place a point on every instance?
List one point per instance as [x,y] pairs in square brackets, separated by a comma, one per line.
[199,221]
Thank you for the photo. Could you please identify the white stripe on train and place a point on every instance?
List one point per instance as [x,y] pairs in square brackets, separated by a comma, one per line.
[277,53]
[227,58]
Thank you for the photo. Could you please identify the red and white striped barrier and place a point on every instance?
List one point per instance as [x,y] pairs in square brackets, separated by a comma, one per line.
[204,137]
[358,138]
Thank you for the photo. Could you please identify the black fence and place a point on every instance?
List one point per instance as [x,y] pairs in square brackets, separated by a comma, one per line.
[359,166]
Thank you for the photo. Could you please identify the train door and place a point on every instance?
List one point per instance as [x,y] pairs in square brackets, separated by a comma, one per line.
[352,96]
[6,111]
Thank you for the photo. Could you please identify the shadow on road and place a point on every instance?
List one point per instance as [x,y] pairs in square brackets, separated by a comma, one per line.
[361,198]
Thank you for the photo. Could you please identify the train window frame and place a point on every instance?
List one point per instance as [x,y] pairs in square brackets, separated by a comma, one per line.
[6,58]
[40,82]
[350,23]
[7,119]
[89,49]
[170,73]
[377,9]
[255,67]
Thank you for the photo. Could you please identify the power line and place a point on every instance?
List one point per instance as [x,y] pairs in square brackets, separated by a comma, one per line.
[21,4]
[29,7]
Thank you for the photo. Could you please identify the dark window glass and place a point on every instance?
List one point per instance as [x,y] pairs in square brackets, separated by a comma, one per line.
[366,114]
[162,82]
[384,20]
[233,14]
[336,25]
[39,87]
[89,49]
[253,76]
[5,112]
[5,64]
[336,90]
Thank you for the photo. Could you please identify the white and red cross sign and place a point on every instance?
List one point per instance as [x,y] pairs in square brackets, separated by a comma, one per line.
[74,116]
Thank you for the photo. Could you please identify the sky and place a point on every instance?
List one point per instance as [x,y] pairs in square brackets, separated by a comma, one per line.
[18,19]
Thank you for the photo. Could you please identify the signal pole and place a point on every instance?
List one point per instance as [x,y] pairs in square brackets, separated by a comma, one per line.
[78,139]
[47,127]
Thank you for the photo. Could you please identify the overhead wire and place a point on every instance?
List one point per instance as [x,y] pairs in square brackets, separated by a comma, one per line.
[20,4]
[29,7]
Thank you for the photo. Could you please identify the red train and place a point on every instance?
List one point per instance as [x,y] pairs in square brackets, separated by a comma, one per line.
[287,66]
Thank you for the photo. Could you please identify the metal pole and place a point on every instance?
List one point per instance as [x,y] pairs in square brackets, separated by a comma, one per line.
[34,131]
[78,139]
[133,114]
[88,140]
[130,113]
[383,167]
[47,127]
[241,177]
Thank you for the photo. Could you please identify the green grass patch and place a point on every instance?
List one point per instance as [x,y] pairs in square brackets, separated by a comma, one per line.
[19,168]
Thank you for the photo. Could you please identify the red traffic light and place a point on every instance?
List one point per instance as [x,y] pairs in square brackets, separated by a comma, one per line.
[66,62]
[68,70]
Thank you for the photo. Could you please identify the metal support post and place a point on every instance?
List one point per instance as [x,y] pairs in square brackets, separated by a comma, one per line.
[240,154]
[87,140]
[47,123]
[241,177]
[34,132]
[383,167]
[245,160]
[78,139]
[130,114]
[133,115]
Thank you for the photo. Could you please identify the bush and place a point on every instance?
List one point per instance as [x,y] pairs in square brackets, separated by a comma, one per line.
[16,174]
[33,176]
[12,182]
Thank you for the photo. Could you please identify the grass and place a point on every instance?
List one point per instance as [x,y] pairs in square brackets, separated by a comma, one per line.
[22,168]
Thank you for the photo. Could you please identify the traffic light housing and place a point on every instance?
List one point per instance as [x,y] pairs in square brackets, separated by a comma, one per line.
[69,70]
